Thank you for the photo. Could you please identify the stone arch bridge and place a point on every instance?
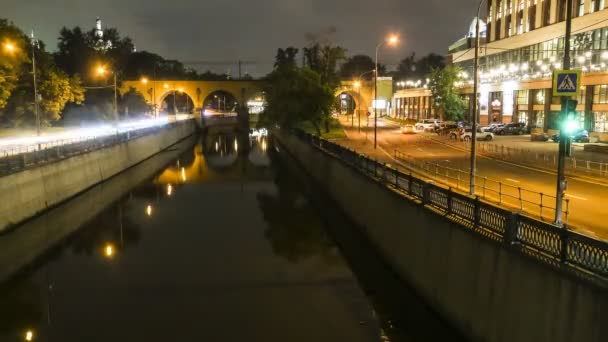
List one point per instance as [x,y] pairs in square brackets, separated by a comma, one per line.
[242,90]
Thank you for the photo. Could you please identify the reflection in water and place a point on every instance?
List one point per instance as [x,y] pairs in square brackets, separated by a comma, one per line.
[21,309]
[200,252]
[295,231]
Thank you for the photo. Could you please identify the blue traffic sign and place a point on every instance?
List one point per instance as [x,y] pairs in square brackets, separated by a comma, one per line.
[566,82]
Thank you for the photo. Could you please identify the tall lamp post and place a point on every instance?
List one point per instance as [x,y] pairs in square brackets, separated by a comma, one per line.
[561,177]
[392,40]
[102,71]
[357,86]
[475,104]
[35,45]
[359,93]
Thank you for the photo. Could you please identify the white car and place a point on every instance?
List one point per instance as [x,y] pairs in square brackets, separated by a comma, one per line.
[427,125]
[408,129]
[467,135]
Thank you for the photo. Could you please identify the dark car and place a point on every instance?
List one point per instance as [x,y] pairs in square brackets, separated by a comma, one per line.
[515,128]
[576,137]
[446,128]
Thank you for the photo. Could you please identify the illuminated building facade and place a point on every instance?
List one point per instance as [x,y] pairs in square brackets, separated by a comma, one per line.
[522,43]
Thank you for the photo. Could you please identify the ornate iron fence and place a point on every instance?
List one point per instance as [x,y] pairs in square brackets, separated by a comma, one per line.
[547,242]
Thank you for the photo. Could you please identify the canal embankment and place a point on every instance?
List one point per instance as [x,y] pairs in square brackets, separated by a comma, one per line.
[489,290]
[23,246]
[34,189]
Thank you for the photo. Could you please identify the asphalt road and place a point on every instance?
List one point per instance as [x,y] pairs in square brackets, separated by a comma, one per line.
[586,208]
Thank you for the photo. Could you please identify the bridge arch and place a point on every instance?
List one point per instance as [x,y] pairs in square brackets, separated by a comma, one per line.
[179,100]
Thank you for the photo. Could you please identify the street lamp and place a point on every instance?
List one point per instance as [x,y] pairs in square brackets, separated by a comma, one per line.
[392,41]
[475,104]
[101,71]
[35,45]
[9,47]
[358,87]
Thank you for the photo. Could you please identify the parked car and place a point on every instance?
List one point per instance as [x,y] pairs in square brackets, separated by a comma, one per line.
[492,127]
[466,134]
[428,125]
[576,137]
[514,128]
[445,128]
[408,129]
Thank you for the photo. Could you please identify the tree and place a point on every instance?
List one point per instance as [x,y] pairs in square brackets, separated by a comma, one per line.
[446,100]
[13,54]
[133,103]
[323,59]
[286,57]
[55,88]
[294,95]
[417,69]
[359,64]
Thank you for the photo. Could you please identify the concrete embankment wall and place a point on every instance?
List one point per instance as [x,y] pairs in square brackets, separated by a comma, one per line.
[31,191]
[488,291]
[22,246]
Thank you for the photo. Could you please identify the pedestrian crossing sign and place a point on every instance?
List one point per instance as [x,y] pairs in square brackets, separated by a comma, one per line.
[566,82]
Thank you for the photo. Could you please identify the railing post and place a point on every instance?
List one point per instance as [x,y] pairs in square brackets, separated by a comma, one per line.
[563,255]
[425,193]
[450,201]
[511,229]
[477,212]
[409,184]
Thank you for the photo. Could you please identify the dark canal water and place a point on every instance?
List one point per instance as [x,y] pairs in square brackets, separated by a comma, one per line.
[223,244]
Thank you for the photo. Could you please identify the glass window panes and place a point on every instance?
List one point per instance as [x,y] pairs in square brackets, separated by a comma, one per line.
[601,122]
[600,94]
[522,97]
[540,118]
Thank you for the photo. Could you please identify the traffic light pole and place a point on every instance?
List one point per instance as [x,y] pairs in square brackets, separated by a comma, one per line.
[561,162]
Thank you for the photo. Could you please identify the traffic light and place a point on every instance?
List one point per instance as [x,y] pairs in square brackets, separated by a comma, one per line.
[571,123]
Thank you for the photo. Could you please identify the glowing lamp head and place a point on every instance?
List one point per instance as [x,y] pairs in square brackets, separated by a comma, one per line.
[144,80]
[357,84]
[181,90]
[166,86]
[108,250]
[9,47]
[393,40]
[101,70]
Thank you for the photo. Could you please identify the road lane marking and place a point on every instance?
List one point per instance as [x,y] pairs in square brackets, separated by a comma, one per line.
[512,180]
[580,198]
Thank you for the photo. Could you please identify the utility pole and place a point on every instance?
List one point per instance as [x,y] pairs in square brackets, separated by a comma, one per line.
[34,43]
[563,137]
[473,167]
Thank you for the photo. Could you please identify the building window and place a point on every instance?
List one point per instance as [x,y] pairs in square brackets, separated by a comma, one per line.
[581,96]
[532,19]
[546,13]
[539,97]
[601,122]
[581,8]
[523,117]
[522,97]
[600,94]
[540,118]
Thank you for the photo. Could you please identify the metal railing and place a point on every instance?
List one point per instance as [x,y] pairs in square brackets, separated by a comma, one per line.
[61,149]
[528,157]
[532,202]
[545,242]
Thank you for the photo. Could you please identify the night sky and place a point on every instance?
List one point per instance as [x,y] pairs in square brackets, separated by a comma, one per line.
[252,30]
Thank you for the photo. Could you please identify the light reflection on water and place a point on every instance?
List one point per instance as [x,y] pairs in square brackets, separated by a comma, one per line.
[222,244]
